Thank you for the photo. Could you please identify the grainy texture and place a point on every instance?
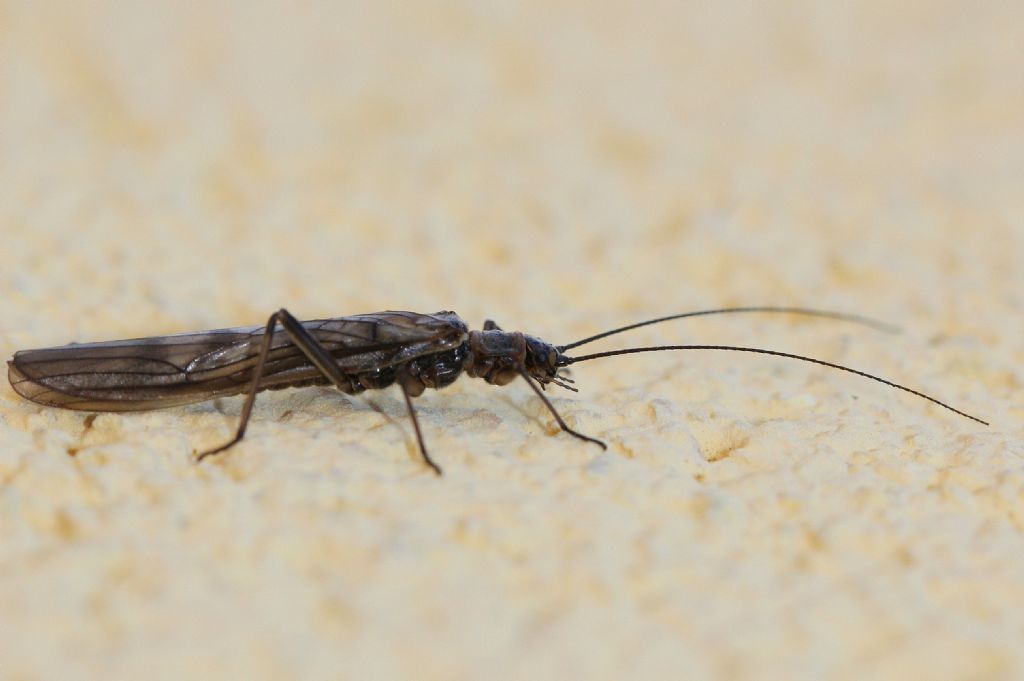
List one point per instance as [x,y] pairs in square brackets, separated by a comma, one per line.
[168,167]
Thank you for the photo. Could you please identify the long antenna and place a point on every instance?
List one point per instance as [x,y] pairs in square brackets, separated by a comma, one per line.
[856,319]
[658,348]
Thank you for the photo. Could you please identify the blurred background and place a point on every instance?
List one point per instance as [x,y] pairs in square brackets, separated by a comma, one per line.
[561,167]
[204,159]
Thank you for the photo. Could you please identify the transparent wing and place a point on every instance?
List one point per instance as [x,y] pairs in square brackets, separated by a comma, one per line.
[163,371]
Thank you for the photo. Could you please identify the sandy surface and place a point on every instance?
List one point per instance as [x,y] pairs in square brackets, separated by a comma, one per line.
[180,166]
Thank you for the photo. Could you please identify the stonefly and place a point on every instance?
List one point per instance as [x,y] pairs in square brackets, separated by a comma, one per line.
[357,353]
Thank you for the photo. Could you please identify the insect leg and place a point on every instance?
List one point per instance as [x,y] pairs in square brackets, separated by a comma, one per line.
[554,412]
[326,364]
[491,325]
[250,399]
[416,426]
[305,342]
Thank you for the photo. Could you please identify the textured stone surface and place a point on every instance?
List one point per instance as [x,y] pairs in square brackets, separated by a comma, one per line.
[179,166]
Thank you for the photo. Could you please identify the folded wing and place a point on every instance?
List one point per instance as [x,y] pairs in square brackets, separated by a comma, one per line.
[164,371]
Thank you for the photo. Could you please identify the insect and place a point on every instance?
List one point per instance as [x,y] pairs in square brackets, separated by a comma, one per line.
[356,353]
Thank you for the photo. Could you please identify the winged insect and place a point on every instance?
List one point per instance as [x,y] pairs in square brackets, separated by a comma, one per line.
[355,353]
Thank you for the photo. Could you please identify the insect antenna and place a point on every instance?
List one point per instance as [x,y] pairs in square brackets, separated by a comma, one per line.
[658,348]
[806,312]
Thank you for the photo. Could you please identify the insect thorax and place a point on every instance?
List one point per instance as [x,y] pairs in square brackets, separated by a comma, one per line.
[495,356]
[498,357]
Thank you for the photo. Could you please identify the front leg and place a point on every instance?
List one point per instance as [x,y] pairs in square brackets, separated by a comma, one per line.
[554,412]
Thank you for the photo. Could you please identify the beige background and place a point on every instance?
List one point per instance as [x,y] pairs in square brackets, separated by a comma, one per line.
[167,167]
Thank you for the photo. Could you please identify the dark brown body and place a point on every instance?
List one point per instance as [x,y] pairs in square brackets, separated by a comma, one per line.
[357,353]
[370,351]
